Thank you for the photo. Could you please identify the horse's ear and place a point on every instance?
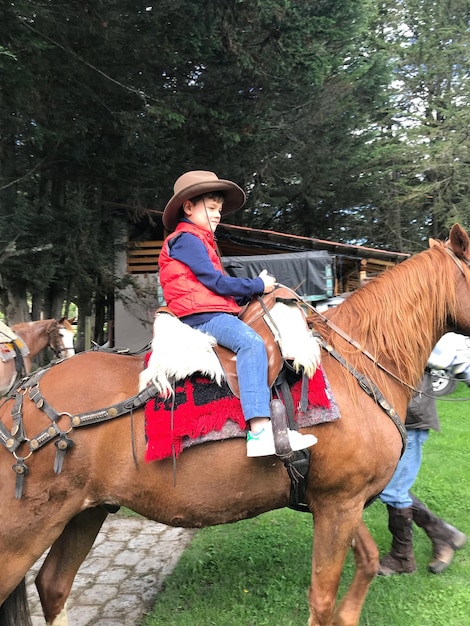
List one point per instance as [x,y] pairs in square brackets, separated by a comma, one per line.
[459,241]
[432,243]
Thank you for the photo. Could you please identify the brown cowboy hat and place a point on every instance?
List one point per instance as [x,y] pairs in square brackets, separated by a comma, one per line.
[198,182]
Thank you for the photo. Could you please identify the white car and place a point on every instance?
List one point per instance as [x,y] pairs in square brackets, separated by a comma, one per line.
[449,362]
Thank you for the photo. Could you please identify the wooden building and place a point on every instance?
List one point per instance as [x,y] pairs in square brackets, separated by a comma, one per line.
[135,305]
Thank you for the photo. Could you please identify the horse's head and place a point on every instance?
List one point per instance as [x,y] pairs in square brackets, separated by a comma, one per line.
[61,338]
[458,248]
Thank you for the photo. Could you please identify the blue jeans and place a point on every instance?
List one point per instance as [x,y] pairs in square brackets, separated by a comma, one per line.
[252,361]
[397,492]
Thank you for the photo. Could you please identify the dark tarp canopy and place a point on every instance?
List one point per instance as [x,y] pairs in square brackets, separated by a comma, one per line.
[309,273]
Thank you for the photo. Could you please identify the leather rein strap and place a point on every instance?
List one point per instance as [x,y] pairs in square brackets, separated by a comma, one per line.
[366,384]
[358,346]
[373,391]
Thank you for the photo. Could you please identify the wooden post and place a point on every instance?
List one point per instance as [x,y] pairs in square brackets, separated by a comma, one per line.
[87,332]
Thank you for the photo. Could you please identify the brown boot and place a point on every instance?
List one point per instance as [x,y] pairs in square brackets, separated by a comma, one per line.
[445,538]
[400,559]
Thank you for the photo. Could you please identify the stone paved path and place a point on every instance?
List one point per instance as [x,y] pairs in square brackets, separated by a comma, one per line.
[121,577]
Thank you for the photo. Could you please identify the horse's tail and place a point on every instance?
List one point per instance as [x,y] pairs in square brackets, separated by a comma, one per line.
[15,610]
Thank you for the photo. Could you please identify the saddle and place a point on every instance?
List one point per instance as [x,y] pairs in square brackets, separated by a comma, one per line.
[257,315]
[254,315]
[12,347]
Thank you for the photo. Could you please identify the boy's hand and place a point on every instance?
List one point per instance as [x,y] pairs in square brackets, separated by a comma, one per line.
[268,280]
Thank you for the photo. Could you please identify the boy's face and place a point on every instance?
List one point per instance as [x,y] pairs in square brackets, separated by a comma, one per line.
[205,213]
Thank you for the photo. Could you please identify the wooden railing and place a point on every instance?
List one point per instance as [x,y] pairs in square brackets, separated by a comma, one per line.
[142,257]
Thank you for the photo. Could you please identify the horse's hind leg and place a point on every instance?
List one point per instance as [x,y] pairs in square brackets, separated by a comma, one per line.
[55,578]
[366,558]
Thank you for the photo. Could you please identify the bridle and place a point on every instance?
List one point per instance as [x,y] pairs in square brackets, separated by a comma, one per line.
[56,340]
[458,261]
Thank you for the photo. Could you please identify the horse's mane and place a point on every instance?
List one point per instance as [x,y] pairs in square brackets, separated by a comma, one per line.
[400,314]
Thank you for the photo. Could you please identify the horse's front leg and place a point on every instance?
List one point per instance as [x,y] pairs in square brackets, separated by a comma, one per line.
[366,558]
[55,578]
[335,522]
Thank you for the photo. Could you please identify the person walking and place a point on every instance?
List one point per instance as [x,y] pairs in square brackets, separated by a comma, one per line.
[404,508]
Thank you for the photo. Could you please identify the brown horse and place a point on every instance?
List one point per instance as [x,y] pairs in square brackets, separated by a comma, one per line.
[54,334]
[394,321]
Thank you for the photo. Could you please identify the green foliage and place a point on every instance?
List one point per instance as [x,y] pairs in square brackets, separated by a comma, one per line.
[344,120]
[6,53]
[419,163]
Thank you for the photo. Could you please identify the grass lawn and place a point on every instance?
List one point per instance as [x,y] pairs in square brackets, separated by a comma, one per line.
[256,572]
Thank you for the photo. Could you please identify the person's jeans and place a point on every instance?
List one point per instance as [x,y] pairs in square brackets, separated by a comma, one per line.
[397,492]
[252,361]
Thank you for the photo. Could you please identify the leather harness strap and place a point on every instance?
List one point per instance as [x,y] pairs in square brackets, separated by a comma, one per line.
[373,391]
[356,345]
[12,440]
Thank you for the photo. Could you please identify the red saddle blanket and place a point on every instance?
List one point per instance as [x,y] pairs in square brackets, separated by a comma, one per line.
[202,411]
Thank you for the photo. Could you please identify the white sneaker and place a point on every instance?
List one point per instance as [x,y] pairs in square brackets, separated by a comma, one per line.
[262,443]
[300,442]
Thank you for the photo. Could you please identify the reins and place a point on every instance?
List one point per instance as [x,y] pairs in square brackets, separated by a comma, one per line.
[56,339]
[367,385]
[358,346]
[350,340]
[365,352]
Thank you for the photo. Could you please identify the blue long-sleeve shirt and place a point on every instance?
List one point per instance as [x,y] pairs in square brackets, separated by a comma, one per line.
[190,250]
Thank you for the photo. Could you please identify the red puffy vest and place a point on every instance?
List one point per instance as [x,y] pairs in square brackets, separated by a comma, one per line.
[183,292]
